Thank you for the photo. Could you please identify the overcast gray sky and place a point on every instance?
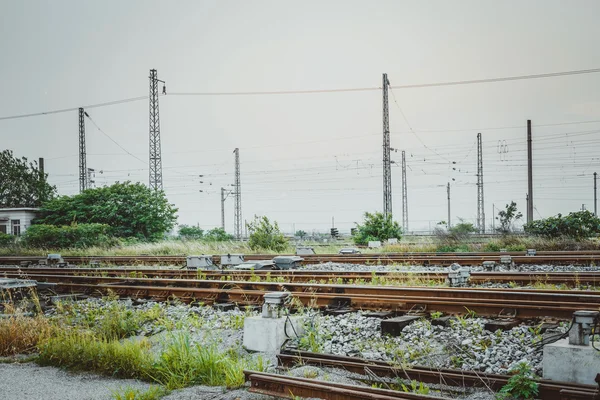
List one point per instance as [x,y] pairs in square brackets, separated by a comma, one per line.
[306,158]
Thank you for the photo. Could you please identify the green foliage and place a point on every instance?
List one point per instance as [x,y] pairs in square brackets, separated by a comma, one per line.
[217,235]
[190,232]
[131,393]
[576,225]
[462,229]
[6,240]
[63,237]
[508,217]
[130,209]
[376,227]
[82,350]
[522,384]
[415,387]
[265,235]
[21,182]
[301,234]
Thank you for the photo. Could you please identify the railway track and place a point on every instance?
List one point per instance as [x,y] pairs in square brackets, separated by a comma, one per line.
[487,302]
[548,390]
[301,276]
[445,259]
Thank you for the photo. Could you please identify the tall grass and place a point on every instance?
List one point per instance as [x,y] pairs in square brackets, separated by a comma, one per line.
[20,334]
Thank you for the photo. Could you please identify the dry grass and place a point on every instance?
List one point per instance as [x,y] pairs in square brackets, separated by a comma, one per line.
[20,334]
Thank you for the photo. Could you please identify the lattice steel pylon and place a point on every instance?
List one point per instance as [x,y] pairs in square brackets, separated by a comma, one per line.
[155,164]
[404,195]
[480,202]
[237,191]
[83,180]
[387,162]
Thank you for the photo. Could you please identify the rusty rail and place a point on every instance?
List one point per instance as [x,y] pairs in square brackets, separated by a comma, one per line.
[548,390]
[291,387]
[567,257]
[488,302]
[303,276]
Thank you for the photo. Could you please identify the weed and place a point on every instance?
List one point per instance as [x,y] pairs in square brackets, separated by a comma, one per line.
[436,314]
[130,393]
[20,334]
[521,385]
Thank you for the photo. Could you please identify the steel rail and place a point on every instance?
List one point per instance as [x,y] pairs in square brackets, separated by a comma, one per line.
[519,303]
[380,258]
[592,278]
[292,387]
[548,390]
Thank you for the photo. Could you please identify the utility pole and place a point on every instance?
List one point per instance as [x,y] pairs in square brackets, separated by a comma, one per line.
[387,165]
[595,203]
[480,202]
[237,217]
[82,153]
[41,168]
[494,218]
[449,224]
[155,164]
[404,195]
[529,174]
[90,173]
[223,208]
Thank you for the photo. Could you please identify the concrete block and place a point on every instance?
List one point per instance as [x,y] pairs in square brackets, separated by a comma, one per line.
[502,324]
[268,334]
[394,326]
[570,363]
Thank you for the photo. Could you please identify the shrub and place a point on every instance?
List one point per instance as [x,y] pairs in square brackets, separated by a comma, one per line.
[59,237]
[576,225]
[265,235]
[190,232]
[217,235]
[522,384]
[376,227]
[6,240]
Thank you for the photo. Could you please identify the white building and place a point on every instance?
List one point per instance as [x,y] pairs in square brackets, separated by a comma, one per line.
[15,221]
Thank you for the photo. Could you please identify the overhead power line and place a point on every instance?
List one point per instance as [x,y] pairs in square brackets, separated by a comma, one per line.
[64,110]
[284,92]
[412,86]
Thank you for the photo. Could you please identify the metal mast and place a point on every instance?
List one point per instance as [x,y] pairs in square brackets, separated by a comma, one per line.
[223,208]
[529,174]
[404,195]
[156,181]
[83,183]
[449,224]
[595,198]
[480,202]
[237,218]
[387,166]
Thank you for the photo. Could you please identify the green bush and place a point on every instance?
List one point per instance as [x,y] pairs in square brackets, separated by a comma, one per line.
[63,237]
[217,235]
[577,225]
[190,232]
[265,235]
[376,227]
[6,240]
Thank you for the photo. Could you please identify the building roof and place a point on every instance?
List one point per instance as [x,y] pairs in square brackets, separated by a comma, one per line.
[20,209]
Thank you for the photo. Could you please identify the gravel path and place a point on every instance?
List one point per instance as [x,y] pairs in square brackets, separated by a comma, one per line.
[32,382]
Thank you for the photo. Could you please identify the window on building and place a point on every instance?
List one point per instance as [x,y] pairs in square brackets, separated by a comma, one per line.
[16,227]
[2,228]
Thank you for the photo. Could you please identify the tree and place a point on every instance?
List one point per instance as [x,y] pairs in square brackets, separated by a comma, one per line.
[130,209]
[265,235]
[217,235]
[376,227]
[455,234]
[301,234]
[508,217]
[21,182]
[576,225]
[190,232]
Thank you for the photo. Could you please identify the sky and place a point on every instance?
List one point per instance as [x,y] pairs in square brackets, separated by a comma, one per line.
[311,159]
